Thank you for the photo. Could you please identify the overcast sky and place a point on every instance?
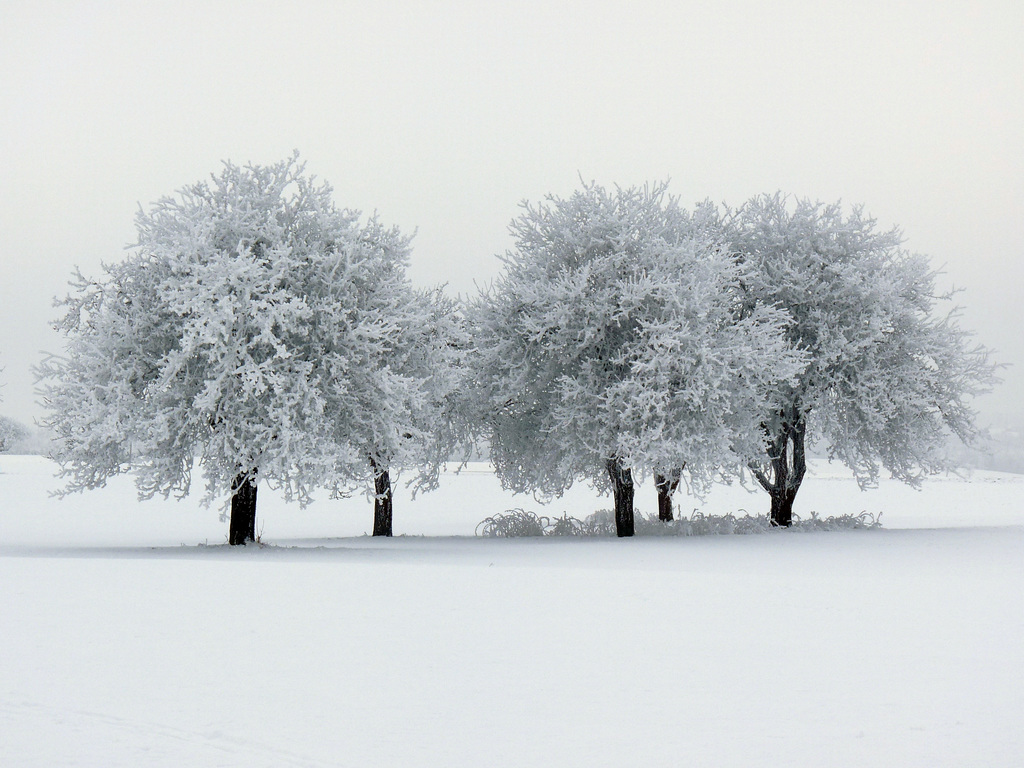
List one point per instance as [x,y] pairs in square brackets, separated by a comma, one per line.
[443,116]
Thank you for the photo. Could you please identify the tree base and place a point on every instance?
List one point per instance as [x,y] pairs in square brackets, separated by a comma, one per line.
[782,511]
[622,488]
[382,505]
[666,486]
[242,528]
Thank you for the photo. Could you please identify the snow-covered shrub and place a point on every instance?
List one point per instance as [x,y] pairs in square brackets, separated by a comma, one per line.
[838,522]
[599,523]
[565,526]
[511,524]
[700,524]
[616,344]
[518,522]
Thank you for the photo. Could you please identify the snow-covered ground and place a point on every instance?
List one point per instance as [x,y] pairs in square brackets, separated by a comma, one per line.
[130,637]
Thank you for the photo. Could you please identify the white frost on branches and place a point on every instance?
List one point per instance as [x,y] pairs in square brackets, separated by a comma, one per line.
[617,331]
[263,332]
[260,330]
[888,378]
[11,432]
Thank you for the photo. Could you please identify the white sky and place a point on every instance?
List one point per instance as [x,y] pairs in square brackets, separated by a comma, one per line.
[442,116]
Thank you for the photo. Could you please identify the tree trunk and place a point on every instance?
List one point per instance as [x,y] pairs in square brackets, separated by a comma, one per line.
[781,512]
[622,488]
[666,485]
[795,478]
[382,506]
[788,467]
[242,527]
[782,509]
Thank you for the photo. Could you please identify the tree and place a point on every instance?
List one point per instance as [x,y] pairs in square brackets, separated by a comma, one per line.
[249,328]
[393,401]
[11,432]
[7,427]
[613,347]
[887,378]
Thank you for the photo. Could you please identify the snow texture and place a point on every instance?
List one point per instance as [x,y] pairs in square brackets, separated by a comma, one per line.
[125,644]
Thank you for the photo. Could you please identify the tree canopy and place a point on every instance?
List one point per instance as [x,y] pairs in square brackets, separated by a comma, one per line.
[254,328]
[887,378]
[615,341]
[259,332]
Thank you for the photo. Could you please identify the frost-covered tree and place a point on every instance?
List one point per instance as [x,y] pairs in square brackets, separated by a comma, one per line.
[11,432]
[396,377]
[614,346]
[887,378]
[6,427]
[254,328]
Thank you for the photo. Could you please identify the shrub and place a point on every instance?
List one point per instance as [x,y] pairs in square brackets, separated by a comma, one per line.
[515,523]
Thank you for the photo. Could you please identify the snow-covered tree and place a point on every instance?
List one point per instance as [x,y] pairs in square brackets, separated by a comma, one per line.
[887,377]
[614,345]
[11,432]
[396,375]
[258,329]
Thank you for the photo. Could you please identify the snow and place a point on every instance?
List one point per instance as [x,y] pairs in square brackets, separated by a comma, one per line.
[131,637]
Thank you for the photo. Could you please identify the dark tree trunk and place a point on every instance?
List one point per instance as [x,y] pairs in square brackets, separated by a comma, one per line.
[788,461]
[622,488]
[382,506]
[796,477]
[242,527]
[666,485]
[782,509]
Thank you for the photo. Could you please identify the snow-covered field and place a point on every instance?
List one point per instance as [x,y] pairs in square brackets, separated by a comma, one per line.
[129,636]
